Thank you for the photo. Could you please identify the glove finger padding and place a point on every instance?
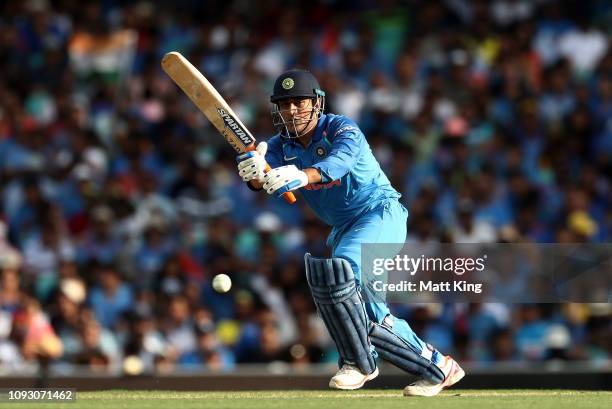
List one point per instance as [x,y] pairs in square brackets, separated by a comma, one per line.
[249,171]
[284,179]
[273,186]
[252,164]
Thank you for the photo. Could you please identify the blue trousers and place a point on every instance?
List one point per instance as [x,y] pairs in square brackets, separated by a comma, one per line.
[383,224]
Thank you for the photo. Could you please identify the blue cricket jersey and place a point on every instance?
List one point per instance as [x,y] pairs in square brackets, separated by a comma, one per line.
[352,180]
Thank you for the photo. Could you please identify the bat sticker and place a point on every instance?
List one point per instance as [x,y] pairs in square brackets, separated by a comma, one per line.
[234,127]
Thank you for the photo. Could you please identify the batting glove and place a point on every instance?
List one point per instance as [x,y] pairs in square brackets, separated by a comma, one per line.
[251,165]
[284,179]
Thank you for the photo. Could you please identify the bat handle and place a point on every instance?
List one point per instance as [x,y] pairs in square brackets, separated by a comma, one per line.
[288,196]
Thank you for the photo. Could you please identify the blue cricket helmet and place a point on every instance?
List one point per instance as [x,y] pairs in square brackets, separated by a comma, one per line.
[296,83]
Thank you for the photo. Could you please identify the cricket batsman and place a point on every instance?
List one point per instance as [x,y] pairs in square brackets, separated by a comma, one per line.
[327,157]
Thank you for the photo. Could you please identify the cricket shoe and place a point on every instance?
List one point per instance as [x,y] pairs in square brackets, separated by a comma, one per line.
[349,377]
[452,374]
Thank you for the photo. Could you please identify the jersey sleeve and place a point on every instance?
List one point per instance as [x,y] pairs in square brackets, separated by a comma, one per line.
[346,139]
[274,154]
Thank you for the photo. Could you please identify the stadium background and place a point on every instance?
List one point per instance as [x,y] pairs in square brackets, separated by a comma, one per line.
[120,202]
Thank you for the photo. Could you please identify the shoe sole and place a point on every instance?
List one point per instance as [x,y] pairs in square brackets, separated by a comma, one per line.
[455,376]
[371,376]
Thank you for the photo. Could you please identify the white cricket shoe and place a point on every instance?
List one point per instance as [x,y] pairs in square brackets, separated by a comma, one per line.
[452,374]
[349,377]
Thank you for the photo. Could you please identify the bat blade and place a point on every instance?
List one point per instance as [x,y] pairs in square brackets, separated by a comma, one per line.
[201,92]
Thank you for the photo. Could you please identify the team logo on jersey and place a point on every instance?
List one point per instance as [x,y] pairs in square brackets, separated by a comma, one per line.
[320,151]
[288,83]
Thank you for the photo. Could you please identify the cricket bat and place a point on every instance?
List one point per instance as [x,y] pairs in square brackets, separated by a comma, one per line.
[201,92]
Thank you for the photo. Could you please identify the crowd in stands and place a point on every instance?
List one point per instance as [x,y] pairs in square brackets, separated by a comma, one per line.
[119,202]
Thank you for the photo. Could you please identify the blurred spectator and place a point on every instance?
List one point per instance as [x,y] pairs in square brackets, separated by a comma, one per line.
[10,303]
[145,341]
[584,46]
[467,231]
[502,346]
[110,297]
[45,250]
[33,333]
[209,351]
[10,291]
[179,327]
[493,119]
[530,338]
[98,350]
[153,252]
[100,244]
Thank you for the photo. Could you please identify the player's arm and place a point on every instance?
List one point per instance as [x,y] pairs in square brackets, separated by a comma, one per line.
[343,155]
[279,180]
[347,142]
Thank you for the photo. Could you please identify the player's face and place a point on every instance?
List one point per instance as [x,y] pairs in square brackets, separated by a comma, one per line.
[298,115]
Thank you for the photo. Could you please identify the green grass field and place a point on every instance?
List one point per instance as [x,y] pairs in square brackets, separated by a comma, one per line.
[364,399]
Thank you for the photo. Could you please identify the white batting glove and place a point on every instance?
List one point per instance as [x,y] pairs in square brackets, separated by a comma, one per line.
[284,179]
[251,165]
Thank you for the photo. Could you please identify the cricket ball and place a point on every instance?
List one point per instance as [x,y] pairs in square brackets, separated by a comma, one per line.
[222,283]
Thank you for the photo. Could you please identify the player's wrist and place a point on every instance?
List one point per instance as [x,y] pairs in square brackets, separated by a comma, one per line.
[313,174]
[254,185]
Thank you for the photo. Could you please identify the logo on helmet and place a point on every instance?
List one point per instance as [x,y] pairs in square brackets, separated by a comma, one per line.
[288,83]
